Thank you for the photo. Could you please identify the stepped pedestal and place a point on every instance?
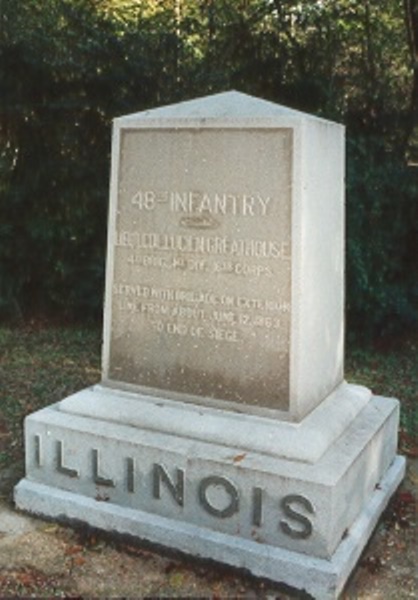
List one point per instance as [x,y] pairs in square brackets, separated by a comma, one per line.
[223,426]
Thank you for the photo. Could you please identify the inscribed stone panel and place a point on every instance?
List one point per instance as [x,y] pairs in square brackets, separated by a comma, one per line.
[201,289]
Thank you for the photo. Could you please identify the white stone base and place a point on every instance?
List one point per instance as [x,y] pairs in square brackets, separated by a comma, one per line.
[321,578]
[293,521]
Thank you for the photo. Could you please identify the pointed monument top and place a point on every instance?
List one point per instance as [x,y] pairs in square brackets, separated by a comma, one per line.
[222,106]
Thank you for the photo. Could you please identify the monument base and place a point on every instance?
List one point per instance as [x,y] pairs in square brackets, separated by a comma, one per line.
[299,522]
[321,578]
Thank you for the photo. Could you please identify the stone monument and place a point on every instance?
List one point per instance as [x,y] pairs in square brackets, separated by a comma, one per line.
[223,426]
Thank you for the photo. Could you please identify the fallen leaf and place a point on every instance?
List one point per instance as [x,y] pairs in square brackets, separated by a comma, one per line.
[239,457]
[170,567]
[26,578]
[410,451]
[406,497]
[413,479]
[177,580]
[136,551]
[372,563]
[73,550]
[50,529]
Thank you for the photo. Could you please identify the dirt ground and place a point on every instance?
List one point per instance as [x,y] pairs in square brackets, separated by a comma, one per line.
[42,559]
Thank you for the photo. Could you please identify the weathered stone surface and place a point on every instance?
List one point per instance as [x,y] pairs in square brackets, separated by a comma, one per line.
[226,255]
[280,439]
[208,499]
[102,458]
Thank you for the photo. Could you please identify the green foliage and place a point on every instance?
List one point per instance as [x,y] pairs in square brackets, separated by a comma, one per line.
[382,238]
[67,67]
[389,371]
[66,71]
[53,202]
[40,366]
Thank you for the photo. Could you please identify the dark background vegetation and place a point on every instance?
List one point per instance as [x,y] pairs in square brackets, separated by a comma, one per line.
[67,67]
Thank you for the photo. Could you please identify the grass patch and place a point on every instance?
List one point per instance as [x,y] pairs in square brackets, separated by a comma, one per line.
[390,370]
[42,365]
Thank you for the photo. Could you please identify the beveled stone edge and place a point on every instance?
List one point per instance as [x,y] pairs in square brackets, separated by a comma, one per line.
[322,578]
[306,441]
[225,106]
[184,123]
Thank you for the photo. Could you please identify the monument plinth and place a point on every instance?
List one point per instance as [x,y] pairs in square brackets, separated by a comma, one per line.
[223,426]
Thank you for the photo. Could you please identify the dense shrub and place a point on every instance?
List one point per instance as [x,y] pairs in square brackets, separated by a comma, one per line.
[382,238]
[67,67]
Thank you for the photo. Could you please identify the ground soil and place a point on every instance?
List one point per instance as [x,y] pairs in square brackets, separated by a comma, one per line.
[43,559]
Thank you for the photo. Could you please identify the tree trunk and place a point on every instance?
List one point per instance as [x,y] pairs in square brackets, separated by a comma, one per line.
[411,14]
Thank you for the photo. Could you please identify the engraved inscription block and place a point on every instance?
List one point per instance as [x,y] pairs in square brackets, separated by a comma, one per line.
[201,287]
[225,256]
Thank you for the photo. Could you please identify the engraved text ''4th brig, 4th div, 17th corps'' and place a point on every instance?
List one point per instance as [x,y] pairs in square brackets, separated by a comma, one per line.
[201,254]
